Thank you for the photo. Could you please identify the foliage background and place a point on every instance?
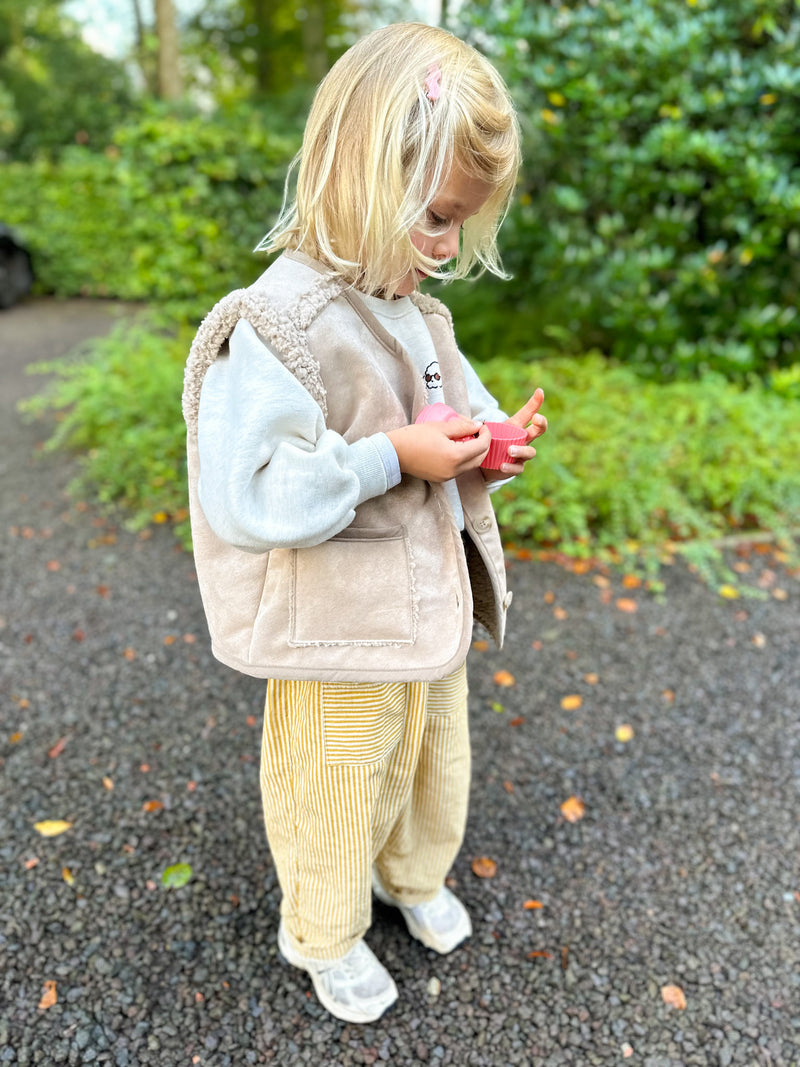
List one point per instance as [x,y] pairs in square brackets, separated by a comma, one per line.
[653,245]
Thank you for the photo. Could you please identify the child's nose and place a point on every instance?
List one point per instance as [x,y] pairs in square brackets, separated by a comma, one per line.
[446,246]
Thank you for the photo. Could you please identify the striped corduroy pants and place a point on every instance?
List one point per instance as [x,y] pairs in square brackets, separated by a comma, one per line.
[356,775]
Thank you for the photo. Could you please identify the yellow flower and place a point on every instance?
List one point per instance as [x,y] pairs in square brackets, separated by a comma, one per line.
[557,99]
[768,98]
[550,117]
[746,256]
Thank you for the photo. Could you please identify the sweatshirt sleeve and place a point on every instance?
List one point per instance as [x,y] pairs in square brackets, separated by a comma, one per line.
[271,474]
[482,405]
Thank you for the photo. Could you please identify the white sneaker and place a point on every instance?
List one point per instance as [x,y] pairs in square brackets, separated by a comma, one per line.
[356,988]
[441,924]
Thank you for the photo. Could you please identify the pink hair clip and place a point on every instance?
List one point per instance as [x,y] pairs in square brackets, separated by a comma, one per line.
[433,86]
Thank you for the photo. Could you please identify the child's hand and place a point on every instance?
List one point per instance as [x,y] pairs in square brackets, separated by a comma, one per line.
[433,451]
[535,425]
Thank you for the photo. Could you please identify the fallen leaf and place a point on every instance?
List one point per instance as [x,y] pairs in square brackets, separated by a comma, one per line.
[536,646]
[560,613]
[480,646]
[627,605]
[601,581]
[483,867]
[532,905]
[627,1050]
[57,748]
[144,768]
[177,875]
[741,567]
[50,997]
[573,809]
[152,805]
[52,827]
[16,738]
[499,708]
[53,565]
[668,695]
[504,678]
[108,783]
[780,594]
[78,635]
[631,581]
[673,996]
[103,591]
[759,640]
[191,785]
[67,875]
[189,639]
[549,598]
[571,702]
[518,721]
[624,733]
[591,678]
[508,786]
[129,654]
[729,592]
[31,863]
[571,654]
[170,639]
[251,720]
[540,954]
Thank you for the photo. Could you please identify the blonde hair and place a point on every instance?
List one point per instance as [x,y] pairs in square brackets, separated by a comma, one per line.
[376,150]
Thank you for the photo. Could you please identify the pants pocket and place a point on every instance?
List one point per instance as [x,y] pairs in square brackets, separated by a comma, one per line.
[363,723]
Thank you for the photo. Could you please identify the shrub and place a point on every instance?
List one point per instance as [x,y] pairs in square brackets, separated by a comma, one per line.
[169,211]
[633,465]
[659,211]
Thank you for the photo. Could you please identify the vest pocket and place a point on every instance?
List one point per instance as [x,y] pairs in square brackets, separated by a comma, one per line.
[355,589]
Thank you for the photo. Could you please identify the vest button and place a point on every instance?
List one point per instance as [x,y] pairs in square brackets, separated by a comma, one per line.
[483,523]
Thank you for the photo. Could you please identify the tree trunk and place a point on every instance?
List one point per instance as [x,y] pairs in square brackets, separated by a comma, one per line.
[314,48]
[170,85]
[262,16]
[143,56]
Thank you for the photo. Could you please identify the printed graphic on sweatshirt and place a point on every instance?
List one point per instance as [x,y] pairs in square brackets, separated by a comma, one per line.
[432,376]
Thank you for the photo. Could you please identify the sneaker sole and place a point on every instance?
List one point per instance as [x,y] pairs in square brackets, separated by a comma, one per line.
[346,1014]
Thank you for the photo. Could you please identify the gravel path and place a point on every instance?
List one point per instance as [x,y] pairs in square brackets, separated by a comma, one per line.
[683,871]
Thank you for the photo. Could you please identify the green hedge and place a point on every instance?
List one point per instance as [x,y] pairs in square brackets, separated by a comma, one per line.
[659,215]
[169,211]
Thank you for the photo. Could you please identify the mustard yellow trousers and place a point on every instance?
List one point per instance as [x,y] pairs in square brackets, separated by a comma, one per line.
[355,776]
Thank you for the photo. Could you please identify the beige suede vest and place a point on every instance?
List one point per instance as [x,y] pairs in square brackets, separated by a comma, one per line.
[391,597]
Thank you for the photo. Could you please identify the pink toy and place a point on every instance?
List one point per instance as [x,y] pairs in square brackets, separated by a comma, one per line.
[437,413]
[504,434]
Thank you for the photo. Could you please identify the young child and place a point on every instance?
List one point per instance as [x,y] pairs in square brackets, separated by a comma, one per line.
[343,549]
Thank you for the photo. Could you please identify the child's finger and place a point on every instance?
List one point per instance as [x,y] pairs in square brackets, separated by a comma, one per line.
[527,412]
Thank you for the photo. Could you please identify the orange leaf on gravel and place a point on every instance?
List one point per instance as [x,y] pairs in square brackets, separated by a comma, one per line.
[571,702]
[108,783]
[504,678]
[152,805]
[57,748]
[129,654]
[591,678]
[540,954]
[624,733]
[631,581]
[532,905]
[480,646]
[573,809]
[673,996]
[518,721]
[627,605]
[50,997]
[484,867]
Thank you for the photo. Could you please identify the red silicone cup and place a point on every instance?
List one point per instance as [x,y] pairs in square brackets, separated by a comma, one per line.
[504,434]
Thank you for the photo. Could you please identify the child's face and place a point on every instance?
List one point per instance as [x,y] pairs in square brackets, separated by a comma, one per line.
[457,200]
